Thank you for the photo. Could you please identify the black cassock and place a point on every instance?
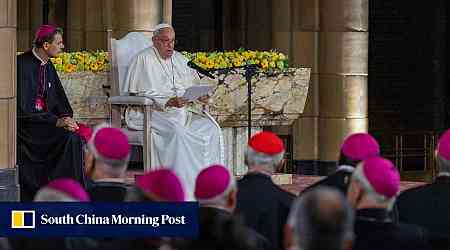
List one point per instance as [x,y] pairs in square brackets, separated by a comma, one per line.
[44,151]
[264,206]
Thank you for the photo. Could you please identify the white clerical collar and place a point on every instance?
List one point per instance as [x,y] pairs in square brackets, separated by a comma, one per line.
[118,180]
[345,168]
[37,56]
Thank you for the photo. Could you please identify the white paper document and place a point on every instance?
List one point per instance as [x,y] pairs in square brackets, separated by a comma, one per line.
[196,91]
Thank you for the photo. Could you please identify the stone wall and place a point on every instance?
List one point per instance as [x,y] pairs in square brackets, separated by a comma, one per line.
[87,96]
[276,100]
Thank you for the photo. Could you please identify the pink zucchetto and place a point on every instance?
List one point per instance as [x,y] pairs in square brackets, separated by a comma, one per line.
[43,31]
[267,143]
[110,143]
[162,184]
[63,189]
[382,176]
[212,182]
[443,147]
[359,146]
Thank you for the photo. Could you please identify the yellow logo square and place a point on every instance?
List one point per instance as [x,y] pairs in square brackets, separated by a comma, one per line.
[22,219]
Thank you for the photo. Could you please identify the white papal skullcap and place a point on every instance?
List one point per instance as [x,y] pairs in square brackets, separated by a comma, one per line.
[162,26]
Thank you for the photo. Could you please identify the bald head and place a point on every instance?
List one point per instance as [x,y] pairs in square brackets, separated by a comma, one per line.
[323,220]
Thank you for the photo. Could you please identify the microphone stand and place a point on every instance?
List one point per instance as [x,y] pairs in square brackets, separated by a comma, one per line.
[249,71]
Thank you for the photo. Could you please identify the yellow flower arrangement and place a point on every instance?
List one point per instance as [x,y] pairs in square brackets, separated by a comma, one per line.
[81,61]
[98,61]
[267,60]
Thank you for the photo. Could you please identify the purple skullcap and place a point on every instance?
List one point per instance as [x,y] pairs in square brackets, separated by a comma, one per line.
[43,31]
[267,143]
[443,147]
[382,176]
[211,182]
[111,143]
[359,146]
[162,183]
[69,187]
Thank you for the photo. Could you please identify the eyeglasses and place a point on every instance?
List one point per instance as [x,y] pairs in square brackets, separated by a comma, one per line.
[168,41]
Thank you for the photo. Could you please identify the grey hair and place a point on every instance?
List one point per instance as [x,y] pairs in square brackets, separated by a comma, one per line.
[443,164]
[49,195]
[116,165]
[323,219]
[270,162]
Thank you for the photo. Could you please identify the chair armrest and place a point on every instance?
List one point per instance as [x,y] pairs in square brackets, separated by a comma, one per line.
[130,100]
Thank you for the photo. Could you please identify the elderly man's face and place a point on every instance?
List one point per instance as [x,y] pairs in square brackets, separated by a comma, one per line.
[165,42]
[54,48]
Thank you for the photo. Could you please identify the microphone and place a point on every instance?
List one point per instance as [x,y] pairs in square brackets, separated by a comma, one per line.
[192,65]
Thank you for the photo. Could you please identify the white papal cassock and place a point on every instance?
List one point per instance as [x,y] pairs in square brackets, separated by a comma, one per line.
[184,139]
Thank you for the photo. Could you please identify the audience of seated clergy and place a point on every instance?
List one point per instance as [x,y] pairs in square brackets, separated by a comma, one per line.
[428,205]
[215,191]
[264,205]
[322,219]
[354,149]
[373,188]
[161,185]
[106,164]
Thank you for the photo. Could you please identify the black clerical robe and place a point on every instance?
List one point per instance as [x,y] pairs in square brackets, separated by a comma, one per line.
[44,151]
[339,180]
[264,206]
[428,206]
[374,230]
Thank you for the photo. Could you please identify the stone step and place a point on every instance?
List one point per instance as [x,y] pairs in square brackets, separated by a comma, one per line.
[279,179]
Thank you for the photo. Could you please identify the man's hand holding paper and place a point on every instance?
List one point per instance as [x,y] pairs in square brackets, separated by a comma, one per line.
[197,91]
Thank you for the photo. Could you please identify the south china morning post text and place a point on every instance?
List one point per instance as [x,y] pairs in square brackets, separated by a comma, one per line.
[115,219]
[72,219]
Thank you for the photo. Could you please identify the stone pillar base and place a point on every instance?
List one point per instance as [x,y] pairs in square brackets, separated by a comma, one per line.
[9,184]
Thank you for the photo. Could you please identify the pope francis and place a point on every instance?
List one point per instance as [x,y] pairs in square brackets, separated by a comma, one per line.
[184,140]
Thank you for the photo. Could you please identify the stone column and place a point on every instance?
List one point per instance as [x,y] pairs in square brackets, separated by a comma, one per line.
[167,11]
[29,13]
[281,26]
[8,170]
[24,33]
[36,17]
[343,56]
[136,15]
[281,41]
[75,35]
[305,53]
[96,24]
[90,24]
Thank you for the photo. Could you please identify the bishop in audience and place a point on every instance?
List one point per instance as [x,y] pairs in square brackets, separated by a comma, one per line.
[373,189]
[428,205]
[264,205]
[106,164]
[323,219]
[215,191]
[355,148]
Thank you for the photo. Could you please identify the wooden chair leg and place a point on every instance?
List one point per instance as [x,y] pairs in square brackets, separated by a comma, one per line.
[147,133]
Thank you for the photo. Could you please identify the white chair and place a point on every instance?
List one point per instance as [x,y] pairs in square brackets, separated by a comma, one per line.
[122,52]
